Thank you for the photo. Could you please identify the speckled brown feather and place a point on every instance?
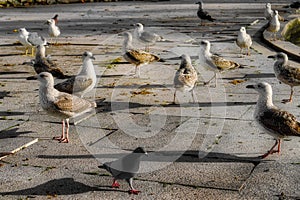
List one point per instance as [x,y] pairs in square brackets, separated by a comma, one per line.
[140,57]
[223,64]
[44,65]
[280,122]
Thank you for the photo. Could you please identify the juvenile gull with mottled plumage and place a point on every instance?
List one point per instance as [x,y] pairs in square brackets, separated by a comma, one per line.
[214,62]
[185,77]
[203,15]
[60,104]
[276,122]
[286,73]
[136,57]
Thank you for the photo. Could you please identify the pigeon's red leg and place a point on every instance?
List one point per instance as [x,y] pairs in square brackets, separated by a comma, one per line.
[115,184]
[132,190]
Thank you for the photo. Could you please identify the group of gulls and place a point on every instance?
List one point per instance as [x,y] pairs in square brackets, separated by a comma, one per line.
[66,99]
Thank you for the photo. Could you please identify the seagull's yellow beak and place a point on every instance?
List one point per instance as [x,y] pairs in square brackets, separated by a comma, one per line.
[15,30]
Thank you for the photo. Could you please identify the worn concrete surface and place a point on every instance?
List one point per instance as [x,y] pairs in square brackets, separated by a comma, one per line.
[206,150]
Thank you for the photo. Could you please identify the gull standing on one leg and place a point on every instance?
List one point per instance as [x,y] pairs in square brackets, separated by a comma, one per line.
[276,122]
[185,77]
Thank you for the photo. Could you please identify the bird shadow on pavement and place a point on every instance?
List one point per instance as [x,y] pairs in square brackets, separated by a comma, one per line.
[12,133]
[63,186]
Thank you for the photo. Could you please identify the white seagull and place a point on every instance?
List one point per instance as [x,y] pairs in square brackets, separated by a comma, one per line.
[274,24]
[286,73]
[276,122]
[53,29]
[244,40]
[146,37]
[84,82]
[185,77]
[30,40]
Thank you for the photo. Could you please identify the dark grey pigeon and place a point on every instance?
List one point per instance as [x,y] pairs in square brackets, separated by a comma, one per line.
[203,15]
[125,168]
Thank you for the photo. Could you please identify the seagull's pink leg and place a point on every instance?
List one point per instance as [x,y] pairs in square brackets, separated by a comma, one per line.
[271,151]
[65,139]
[63,130]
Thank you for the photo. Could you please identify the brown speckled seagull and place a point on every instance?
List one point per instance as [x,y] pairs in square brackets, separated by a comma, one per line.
[43,64]
[136,57]
[276,122]
[60,104]
[185,77]
[286,73]
[214,62]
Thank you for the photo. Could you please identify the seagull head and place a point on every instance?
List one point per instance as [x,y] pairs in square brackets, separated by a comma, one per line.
[205,44]
[280,57]
[199,2]
[185,58]
[243,29]
[88,54]
[127,35]
[22,30]
[50,21]
[268,5]
[262,88]
[45,78]
[139,26]
[276,12]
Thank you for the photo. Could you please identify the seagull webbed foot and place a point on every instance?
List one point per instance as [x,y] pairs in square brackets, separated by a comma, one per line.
[115,184]
[286,101]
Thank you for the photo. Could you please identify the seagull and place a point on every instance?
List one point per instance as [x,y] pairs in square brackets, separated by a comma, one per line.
[137,57]
[214,62]
[53,29]
[125,168]
[269,13]
[274,24]
[286,73]
[43,64]
[146,37]
[276,122]
[244,40]
[60,104]
[84,82]
[30,39]
[185,77]
[203,15]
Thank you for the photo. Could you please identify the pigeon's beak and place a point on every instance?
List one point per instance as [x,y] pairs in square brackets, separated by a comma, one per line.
[93,58]
[250,86]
